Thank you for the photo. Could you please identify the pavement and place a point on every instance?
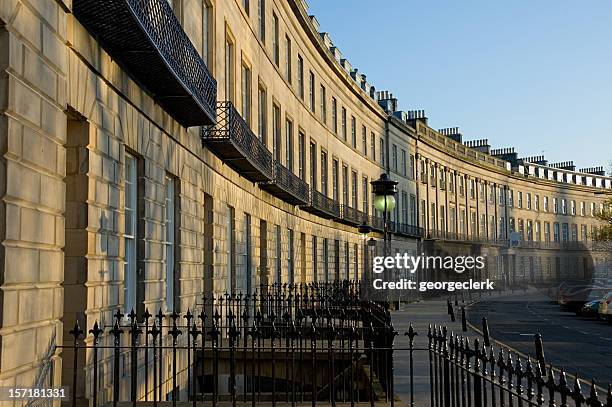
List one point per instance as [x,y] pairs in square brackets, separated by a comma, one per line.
[420,315]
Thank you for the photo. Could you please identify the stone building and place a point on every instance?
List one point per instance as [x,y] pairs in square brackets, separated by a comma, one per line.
[157,151]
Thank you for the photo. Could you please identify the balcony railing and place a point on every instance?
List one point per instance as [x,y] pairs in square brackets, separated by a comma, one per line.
[287,186]
[377,223]
[352,216]
[322,205]
[408,230]
[145,37]
[232,140]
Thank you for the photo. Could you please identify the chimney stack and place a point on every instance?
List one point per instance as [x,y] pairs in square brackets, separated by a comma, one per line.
[479,145]
[452,133]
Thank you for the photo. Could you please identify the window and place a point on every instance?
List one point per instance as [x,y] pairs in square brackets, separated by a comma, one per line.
[432,216]
[275,42]
[529,230]
[261,16]
[565,232]
[364,140]
[564,206]
[404,168]
[582,209]
[246,94]
[536,202]
[574,232]
[290,258]
[593,209]
[313,165]
[373,145]
[364,189]
[229,68]
[520,199]
[245,5]
[404,207]
[573,208]
[289,144]
[472,189]
[510,198]
[462,224]
[491,194]
[347,262]
[528,201]
[546,231]
[312,92]
[345,185]
[344,123]
[545,204]
[170,244]
[356,260]
[442,178]
[423,214]
[394,157]
[315,263]
[324,172]
[230,234]
[323,105]
[556,232]
[413,210]
[451,182]
[481,189]
[502,228]
[334,115]
[288,58]
[452,219]
[131,236]
[276,132]
[382,151]
[326,259]
[354,131]
[207,31]
[262,120]
[301,77]
[555,205]
[335,175]
[461,185]
[302,156]
[278,254]
[500,195]
[354,189]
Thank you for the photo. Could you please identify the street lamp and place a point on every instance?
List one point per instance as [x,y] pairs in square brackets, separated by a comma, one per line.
[384,190]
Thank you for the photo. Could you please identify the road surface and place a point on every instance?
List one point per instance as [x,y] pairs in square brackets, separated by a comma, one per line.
[578,344]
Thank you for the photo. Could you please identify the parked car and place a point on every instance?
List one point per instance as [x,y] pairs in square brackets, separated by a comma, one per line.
[605,307]
[590,309]
[573,299]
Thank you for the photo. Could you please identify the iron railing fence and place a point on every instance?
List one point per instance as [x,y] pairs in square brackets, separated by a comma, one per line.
[473,372]
[409,230]
[234,142]
[333,349]
[283,343]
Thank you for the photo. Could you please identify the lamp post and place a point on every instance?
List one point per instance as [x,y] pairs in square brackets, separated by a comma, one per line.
[384,190]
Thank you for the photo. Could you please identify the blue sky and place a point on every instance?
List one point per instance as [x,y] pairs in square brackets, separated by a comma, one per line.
[533,74]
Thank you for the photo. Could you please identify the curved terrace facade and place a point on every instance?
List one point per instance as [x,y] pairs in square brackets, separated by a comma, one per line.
[191,148]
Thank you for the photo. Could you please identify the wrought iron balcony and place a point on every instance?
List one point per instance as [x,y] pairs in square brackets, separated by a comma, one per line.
[408,230]
[377,223]
[232,140]
[352,216]
[146,38]
[287,186]
[322,205]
